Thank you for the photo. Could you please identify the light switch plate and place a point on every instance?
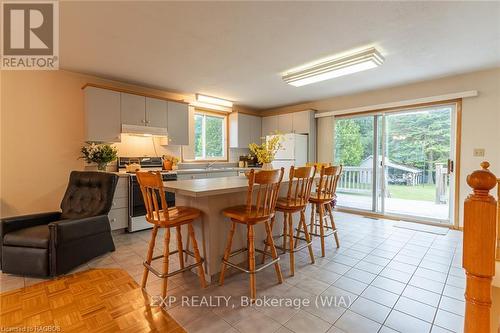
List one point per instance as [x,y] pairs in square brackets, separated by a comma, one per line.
[478,152]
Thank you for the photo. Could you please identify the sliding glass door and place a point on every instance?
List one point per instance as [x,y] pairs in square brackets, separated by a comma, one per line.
[354,149]
[398,163]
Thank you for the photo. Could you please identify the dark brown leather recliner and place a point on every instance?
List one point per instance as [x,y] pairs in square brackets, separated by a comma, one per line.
[49,244]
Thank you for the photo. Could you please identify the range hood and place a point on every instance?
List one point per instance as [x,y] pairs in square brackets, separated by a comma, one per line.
[144,130]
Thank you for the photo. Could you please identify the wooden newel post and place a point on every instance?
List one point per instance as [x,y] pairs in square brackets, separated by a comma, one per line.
[479,249]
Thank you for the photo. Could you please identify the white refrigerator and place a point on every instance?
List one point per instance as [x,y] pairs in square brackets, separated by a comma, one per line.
[293,151]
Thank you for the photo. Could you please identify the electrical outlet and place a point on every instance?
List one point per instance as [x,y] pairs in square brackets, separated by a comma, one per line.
[478,152]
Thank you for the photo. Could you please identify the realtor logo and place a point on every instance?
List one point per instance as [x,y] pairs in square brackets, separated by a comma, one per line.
[30,35]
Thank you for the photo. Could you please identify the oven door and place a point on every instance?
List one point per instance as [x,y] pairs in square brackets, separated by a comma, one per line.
[136,204]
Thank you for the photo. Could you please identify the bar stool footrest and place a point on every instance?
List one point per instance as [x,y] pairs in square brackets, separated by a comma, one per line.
[162,275]
[327,234]
[261,267]
[286,250]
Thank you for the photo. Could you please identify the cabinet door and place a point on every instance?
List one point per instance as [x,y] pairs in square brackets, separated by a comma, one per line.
[156,112]
[269,125]
[187,176]
[285,123]
[301,122]
[178,123]
[133,109]
[222,174]
[255,129]
[244,123]
[233,130]
[102,115]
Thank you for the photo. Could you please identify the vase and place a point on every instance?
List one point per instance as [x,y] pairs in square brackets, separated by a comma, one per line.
[167,165]
[267,166]
[102,166]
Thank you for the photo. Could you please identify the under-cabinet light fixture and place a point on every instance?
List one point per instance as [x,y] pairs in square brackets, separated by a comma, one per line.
[334,67]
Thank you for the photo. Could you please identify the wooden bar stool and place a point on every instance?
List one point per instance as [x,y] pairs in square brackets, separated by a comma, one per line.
[322,199]
[296,200]
[161,216]
[264,187]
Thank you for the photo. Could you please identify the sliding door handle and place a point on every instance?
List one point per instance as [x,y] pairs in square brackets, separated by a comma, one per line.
[451,166]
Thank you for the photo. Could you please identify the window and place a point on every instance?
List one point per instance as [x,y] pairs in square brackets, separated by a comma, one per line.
[209,136]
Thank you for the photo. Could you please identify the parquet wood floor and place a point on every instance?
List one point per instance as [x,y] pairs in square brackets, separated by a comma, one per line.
[97,300]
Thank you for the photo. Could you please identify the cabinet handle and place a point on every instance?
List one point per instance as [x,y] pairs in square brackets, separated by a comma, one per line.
[113,220]
[143,121]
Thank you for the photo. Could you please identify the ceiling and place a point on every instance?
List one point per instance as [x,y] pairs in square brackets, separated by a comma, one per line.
[238,50]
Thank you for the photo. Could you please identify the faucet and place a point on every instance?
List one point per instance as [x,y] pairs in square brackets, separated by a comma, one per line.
[211,164]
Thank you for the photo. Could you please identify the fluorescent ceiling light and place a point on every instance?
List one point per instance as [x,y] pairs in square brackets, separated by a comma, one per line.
[213,100]
[209,106]
[335,67]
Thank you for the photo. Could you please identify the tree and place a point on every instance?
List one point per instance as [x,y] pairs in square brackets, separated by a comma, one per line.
[208,136]
[420,139]
[348,146]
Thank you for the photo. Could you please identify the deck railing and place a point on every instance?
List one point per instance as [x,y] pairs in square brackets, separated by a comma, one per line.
[480,214]
[355,180]
[359,180]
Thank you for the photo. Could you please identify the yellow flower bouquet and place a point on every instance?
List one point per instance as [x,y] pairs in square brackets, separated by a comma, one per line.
[266,151]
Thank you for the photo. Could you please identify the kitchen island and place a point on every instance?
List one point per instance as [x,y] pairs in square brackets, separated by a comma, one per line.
[212,196]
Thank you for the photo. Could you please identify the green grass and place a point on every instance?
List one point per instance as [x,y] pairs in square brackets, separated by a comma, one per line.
[423,192]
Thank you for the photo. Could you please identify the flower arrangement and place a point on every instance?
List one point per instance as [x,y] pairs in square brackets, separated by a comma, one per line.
[100,153]
[169,161]
[266,151]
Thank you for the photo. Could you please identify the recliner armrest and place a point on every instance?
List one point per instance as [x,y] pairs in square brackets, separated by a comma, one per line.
[67,230]
[14,223]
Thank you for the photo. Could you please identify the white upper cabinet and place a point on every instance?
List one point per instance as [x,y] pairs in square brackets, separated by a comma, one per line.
[269,125]
[102,115]
[178,123]
[133,109]
[296,122]
[143,111]
[109,113]
[255,129]
[302,122]
[243,130]
[156,112]
[285,123]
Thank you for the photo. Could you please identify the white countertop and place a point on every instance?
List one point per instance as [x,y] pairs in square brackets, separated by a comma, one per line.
[208,186]
[213,186]
[201,170]
[193,171]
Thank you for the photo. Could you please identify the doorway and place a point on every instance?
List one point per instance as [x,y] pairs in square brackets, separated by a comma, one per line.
[399,163]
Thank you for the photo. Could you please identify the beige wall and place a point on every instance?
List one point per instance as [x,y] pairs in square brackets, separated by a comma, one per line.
[480,122]
[42,129]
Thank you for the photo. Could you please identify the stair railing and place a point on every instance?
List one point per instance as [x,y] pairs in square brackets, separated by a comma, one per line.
[480,214]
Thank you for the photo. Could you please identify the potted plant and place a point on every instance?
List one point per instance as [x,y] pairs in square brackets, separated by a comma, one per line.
[169,162]
[99,153]
[266,151]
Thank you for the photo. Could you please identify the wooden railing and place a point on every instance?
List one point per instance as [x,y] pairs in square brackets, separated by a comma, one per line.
[480,214]
[359,180]
[498,219]
[356,180]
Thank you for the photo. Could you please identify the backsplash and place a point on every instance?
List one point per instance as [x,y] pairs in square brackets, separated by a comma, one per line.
[133,145]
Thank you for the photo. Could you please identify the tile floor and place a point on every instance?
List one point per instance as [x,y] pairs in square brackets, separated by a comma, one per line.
[384,279]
